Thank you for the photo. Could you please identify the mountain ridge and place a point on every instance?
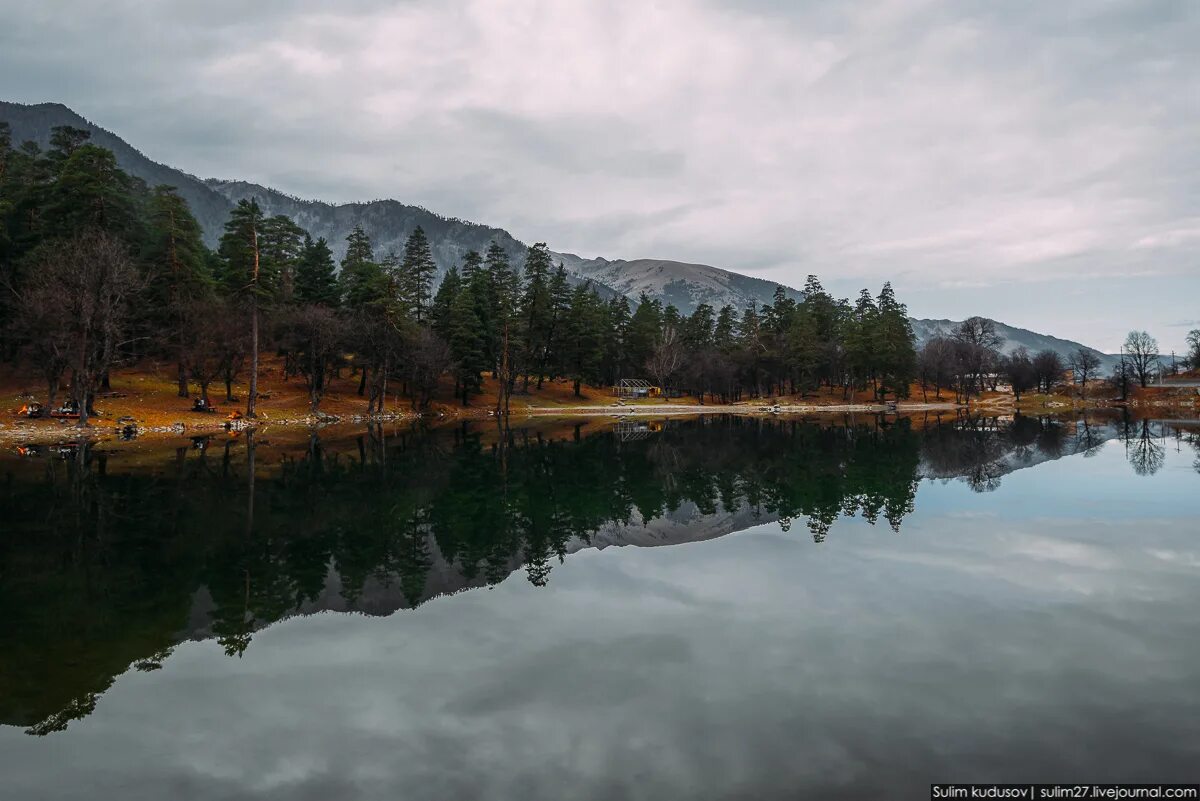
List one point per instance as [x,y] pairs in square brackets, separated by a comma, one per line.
[389,222]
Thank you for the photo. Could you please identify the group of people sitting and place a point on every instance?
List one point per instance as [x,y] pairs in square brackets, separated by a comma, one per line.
[33,409]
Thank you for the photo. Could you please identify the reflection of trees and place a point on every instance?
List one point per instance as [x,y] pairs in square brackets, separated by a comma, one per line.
[105,565]
[1088,438]
[982,450]
[1145,454]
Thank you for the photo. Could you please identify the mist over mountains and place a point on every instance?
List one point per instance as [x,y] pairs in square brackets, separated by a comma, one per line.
[389,223]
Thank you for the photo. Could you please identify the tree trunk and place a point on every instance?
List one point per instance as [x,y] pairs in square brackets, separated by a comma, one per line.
[52,383]
[252,400]
[82,404]
[181,381]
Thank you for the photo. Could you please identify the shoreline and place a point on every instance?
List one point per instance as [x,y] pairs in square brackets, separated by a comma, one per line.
[655,410]
[103,429]
[44,431]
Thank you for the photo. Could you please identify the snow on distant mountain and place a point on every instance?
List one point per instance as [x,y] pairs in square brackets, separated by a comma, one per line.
[684,285]
[1013,338]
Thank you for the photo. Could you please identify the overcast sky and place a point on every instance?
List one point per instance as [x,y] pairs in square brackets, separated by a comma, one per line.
[1037,162]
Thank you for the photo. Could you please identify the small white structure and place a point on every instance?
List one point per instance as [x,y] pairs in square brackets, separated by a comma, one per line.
[635,388]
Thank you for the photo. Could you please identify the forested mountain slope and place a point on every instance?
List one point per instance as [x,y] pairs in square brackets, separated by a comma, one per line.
[389,222]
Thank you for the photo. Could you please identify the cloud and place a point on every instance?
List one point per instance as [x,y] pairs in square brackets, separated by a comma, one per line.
[954,145]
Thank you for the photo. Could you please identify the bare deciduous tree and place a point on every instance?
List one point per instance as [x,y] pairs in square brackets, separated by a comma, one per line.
[1193,341]
[1048,369]
[1141,350]
[1020,372]
[666,357]
[85,285]
[978,343]
[38,327]
[316,337]
[1085,365]
[428,359]
[213,342]
[936,363]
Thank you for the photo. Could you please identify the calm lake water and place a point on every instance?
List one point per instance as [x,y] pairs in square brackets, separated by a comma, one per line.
[834,609]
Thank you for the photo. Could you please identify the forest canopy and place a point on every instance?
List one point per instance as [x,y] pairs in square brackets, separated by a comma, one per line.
[101,271]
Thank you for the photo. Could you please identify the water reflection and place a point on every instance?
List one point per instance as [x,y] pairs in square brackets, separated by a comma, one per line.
[112,559]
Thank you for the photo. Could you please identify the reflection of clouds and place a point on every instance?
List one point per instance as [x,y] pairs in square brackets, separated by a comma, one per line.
[1004,642]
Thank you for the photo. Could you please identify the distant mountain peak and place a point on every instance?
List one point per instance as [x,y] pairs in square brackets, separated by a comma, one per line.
[686,285]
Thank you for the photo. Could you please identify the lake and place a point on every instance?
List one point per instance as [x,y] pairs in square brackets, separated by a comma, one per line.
[718,607]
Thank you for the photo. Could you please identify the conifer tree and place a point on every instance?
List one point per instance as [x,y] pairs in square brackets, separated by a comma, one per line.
[363,281]
[177,271]
[560,309]
[616,336]
[645,326]
[281,244]
[448,291]
[316,276]
[583,337]
[894,345]
[464,334]
[751,340]
[725,329]
[417,269]
[503,297]
[242,277]
[92,193]
[477,280]
[536,311]
[860,339]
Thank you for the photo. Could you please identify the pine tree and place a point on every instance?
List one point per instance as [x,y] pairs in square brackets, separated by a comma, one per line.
[66,139]
[502,301]
[503,295]
[281,244]
[725,331]
[583,336]
[316,275]
[536,302]
[472,264]
[751,341]
[363,281]
[92,193]
[464,333]
[645,326]
[477,280]
[238,249]
[616,336]
[177,271]
[894,344]
[242,277]
[448,292]
[560,309]
[859,337]
[417,270]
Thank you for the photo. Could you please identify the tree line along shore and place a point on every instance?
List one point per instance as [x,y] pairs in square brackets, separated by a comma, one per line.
[110,294]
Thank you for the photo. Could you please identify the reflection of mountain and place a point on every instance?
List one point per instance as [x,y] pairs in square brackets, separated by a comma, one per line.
[982,450]
[104,566]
